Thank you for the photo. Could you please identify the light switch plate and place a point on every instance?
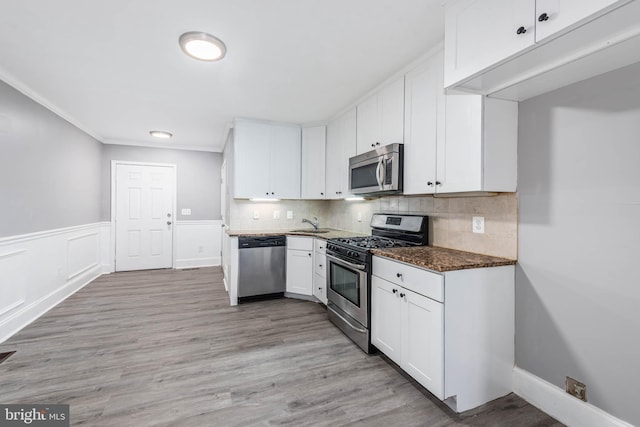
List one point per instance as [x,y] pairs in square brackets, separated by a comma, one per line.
[289,214]
[256,214]
[478,224]
[185,211]
[359,216]
[276,214]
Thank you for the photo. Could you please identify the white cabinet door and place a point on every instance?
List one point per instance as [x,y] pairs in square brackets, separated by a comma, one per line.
[312,181]
[423,340]
[341,145]
[252,142]
[480,33]
[386,318]
[368,133]
[266,160]
[320,288]
[460,152]
[391,113]
[555,15]
[300,272]
[380,118]
[285,162]
[423,88]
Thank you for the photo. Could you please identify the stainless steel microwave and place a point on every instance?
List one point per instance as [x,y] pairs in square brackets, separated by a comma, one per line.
[378,171]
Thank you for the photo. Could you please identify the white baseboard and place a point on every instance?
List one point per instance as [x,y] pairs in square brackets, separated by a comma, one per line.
[198,244]
[198,262]
[560,405]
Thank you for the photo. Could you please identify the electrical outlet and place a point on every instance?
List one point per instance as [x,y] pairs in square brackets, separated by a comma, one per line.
[359,216]
[478,224]
[185,211]
[256,214]
[289,214]
[276,214]
[575,388]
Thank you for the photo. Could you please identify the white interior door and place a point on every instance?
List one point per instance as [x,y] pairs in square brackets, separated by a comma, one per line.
[144,216]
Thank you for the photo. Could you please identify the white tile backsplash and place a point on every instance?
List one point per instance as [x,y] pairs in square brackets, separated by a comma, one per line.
[450,218]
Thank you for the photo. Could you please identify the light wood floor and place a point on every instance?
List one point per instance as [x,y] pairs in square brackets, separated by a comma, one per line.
[165,348]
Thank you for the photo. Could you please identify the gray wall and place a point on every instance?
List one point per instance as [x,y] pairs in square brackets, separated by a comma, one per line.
[577,285]
[198,178]
[49,169]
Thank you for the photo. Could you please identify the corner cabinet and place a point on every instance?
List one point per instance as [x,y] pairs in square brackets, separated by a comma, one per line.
[341,145]
[380,118]
[300,265]
[452,332]
[518,49]
[266,160]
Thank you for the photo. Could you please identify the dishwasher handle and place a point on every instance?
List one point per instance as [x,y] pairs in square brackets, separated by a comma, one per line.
[261,241]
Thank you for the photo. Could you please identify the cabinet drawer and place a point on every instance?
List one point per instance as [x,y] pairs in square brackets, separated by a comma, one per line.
[320,246]
[300,243]
[320,265]
[415,279]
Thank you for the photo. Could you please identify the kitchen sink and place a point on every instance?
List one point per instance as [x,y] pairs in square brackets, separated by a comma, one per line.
[311,230]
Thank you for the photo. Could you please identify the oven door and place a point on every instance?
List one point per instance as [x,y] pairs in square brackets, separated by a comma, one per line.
[348,283]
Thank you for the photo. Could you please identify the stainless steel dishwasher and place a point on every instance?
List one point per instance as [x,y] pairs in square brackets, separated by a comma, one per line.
[261,267]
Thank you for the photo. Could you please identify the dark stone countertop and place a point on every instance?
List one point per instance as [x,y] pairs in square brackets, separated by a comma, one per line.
[442,259]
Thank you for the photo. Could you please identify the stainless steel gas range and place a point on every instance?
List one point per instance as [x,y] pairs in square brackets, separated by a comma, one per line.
[349,271]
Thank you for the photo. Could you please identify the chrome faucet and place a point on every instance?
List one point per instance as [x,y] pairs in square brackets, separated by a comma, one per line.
[315,222]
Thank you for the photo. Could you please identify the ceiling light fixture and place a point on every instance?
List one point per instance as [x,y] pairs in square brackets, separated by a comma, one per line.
[202,46]
[160,134]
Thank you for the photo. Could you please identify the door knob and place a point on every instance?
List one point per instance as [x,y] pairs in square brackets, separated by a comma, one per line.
[543,17]
[168,222]
[521,30]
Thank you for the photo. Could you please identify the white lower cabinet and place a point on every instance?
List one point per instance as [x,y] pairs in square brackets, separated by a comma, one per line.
[300,265]
[453,332]
[408,328]
[320,270]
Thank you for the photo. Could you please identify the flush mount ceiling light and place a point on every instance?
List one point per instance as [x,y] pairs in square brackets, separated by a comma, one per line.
[160,134]
[202,46]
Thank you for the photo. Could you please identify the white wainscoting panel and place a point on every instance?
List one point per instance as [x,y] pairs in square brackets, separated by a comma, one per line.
[560,405]
[198,243]
[83,253]
[40,270]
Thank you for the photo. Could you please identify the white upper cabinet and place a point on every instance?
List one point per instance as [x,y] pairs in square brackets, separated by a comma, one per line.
[313,162]
[479,148]
[380,118]
[341,145]
[552,16]
[479,33]
[457,142]
[516,49]
[266,160]
[423,92]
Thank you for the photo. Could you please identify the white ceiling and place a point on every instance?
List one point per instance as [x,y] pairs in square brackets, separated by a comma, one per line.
[114,68]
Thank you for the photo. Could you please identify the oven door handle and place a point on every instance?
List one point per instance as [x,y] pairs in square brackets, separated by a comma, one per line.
[347,263]
[362,331]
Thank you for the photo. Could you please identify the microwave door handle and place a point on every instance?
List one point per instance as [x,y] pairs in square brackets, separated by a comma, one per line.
[379,172]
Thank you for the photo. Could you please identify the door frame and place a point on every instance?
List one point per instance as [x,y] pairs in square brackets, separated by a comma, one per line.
[114,165]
